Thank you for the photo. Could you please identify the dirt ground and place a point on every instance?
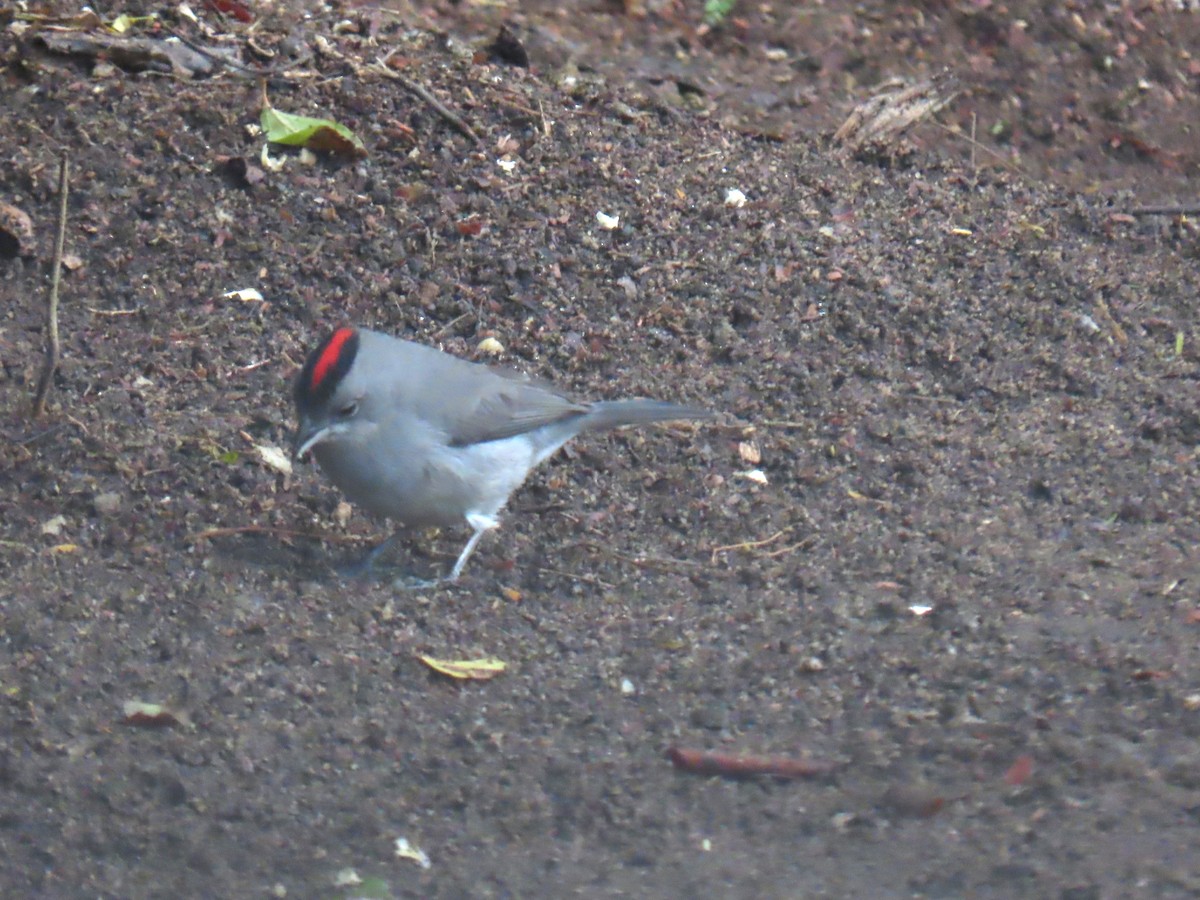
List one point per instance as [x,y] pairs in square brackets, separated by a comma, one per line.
[942,538]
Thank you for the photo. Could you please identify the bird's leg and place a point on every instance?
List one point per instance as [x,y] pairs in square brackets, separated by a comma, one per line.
[366,565]
[482,523]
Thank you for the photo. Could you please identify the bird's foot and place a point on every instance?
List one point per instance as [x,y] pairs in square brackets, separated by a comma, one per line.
[373,567]
[411,583]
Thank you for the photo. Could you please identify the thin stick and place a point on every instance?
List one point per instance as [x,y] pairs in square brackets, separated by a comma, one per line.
[979,145]
[750,545]
[415,88]
[381,68]
[661,564]
[732,765]
[974,143]
[1183,210]
[271,72]
[575,576]
[209,533]
[53,347]
[445,329]
[532,113]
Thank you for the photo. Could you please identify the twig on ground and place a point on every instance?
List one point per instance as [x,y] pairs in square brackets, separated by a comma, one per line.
[272,72]
[449,326]
[782,423]
[660,564]
[210,533]
[752,545]
[925,398]
[34,438]
[1181,210]
[575,576]
[53,348]
[979,145]
[974,142]
[538,115]
[702,762]
[381,67]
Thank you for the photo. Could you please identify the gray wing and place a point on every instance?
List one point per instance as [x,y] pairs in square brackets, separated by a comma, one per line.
[506,407]
[472,403]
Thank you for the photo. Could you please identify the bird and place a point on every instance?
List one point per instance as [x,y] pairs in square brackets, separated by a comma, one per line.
[414,434]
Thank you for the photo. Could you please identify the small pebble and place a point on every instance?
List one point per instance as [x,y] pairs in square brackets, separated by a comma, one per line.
[107,504]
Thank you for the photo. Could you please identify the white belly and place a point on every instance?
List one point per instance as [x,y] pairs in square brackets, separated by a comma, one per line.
[434,484]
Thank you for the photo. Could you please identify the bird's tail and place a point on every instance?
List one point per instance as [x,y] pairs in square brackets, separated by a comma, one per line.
[610,414]
[615,413]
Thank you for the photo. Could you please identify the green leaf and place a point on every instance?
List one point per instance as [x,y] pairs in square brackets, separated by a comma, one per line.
[716,11]
[373,889]
[315,134]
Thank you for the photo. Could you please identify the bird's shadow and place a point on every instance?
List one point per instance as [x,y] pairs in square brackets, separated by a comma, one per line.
[311,559]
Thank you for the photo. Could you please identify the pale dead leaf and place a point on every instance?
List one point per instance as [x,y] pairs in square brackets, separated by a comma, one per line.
[54,526]
[274,458]
[758,476]
[466,669]
[750,452]
[405,850]
[246,295]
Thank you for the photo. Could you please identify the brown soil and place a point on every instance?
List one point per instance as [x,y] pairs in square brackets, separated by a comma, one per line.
[972,392]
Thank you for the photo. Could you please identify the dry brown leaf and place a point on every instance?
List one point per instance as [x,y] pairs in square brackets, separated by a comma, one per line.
[892,109]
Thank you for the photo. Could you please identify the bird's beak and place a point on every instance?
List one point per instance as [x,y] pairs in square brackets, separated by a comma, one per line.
[308,436]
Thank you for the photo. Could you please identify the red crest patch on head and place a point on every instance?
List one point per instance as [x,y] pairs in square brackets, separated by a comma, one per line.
[325,368]
[328,356]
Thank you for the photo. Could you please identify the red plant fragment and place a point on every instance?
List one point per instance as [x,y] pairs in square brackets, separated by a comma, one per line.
[234,8]
[917,801]
[1019,772]
[150,715]
[702,762]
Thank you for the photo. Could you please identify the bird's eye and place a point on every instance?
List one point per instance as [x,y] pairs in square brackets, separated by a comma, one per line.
[346,411]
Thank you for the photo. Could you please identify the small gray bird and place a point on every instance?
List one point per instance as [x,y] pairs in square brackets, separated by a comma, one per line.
[414,434]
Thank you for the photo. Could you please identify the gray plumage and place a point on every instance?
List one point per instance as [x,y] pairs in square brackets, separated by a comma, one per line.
[420,436]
